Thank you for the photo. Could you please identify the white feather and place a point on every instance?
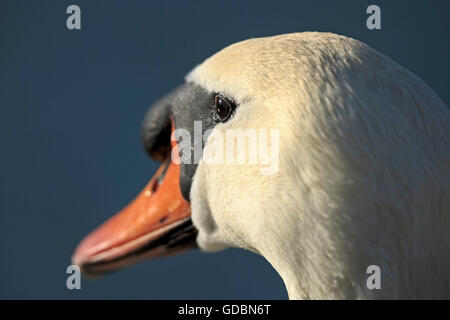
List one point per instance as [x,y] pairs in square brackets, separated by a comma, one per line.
[364,174]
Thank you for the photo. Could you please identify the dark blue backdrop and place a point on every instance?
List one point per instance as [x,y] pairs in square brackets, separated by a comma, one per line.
[71,107]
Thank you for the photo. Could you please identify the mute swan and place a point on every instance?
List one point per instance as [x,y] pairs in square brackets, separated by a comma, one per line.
[363,176]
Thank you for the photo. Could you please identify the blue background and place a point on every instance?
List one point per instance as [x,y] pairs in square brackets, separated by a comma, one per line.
[72,103]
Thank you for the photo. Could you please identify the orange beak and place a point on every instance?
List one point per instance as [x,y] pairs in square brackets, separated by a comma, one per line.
[156,223]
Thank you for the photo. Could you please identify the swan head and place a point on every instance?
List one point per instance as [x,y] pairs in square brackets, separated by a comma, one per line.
[288,146]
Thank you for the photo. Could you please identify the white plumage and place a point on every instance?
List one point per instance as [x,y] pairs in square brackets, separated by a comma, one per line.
[364,173]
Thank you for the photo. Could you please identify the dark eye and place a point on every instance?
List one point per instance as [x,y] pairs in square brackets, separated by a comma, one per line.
[223,108]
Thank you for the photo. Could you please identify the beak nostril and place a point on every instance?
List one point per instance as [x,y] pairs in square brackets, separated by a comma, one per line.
[158,181]
[155,186]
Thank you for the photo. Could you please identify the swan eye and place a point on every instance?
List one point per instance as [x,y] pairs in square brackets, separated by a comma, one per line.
[223,108]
